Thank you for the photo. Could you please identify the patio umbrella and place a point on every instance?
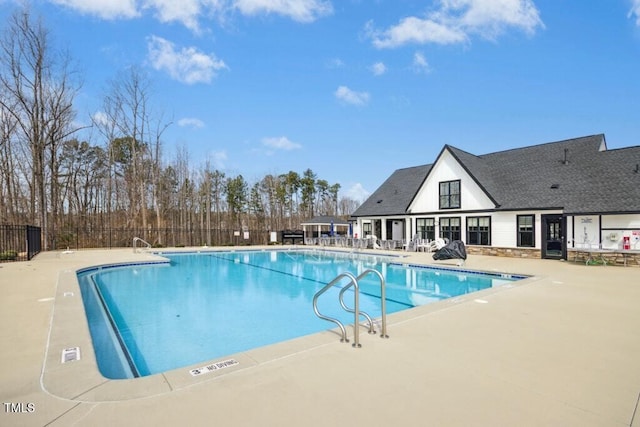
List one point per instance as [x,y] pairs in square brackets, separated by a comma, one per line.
[350,229]
[331,229]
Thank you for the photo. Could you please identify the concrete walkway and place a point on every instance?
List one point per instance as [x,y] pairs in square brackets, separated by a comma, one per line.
[558,349]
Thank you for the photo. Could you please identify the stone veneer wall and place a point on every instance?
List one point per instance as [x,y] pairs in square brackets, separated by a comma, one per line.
[504,252]
[612,258]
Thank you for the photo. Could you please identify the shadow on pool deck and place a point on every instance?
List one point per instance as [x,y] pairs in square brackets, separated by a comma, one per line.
[558,349]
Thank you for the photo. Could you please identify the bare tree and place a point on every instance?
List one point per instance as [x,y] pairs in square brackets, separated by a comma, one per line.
[237,191]
[83,169]
[217,194]
[185,189]
[38,93]
[105,122]
[128,104]
[269,188]
[156,173]
[9,188]
[347,206]
[128,115]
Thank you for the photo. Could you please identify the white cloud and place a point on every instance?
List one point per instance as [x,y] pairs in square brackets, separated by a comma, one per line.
[186,12]
[280,143]
[349,96]
[100,118]
[378,69]
[189,12]
[455,21]
[191,122]
[105,9]
[298,10]
[490,18]
[187,65]
[219,159]
[420,63]
[357,192]
[635,10]
[335,63]
[416,30]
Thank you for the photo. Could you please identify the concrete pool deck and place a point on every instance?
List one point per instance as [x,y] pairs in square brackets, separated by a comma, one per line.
[561,348]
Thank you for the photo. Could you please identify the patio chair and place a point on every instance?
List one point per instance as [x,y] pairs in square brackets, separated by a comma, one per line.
[437,244]
[412,245]
[423,245]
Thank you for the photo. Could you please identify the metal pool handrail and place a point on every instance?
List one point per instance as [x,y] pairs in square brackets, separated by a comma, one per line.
[138,239]
[350,310]
[383,301]
[356,302]
[353,281]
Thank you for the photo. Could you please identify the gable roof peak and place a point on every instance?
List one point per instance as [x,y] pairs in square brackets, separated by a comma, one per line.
[456,150]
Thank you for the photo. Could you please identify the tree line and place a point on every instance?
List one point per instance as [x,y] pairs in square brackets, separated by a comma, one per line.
[119,177]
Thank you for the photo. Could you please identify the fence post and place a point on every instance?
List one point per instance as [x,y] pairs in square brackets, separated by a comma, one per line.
[27,241]
[34,241]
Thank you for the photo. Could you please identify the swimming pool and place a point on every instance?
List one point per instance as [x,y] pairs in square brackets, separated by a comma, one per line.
[146,319]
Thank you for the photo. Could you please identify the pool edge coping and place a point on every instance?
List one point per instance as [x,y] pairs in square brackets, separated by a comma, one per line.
[91,387]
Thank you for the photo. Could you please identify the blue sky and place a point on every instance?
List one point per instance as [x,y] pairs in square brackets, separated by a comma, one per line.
[354,89]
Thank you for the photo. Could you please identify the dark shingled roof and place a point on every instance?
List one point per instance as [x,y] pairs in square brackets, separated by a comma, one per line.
[396,193]
[592,180]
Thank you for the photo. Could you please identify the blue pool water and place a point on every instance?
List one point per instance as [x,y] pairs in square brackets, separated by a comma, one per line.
[146,319]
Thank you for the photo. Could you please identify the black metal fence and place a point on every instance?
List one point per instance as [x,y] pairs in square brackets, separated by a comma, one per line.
[23,242]
[19,242]
[99,237]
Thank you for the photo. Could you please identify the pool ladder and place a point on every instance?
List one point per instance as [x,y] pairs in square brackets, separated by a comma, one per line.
[138,239]
[353,282]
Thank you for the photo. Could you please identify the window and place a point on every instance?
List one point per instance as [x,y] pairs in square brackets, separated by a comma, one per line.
[426,228]
[366,229]
[479,230]
[526,231]
[450,194]
[450,228]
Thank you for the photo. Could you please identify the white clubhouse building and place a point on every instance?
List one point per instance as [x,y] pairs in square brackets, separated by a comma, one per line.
[537,201]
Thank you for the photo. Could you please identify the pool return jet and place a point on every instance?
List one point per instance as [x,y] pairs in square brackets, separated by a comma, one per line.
[353,281]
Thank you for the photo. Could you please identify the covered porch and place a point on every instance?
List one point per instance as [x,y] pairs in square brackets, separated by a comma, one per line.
[325,227]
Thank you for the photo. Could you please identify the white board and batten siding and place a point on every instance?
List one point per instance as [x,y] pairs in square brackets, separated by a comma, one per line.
[447,168]
[473,198]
